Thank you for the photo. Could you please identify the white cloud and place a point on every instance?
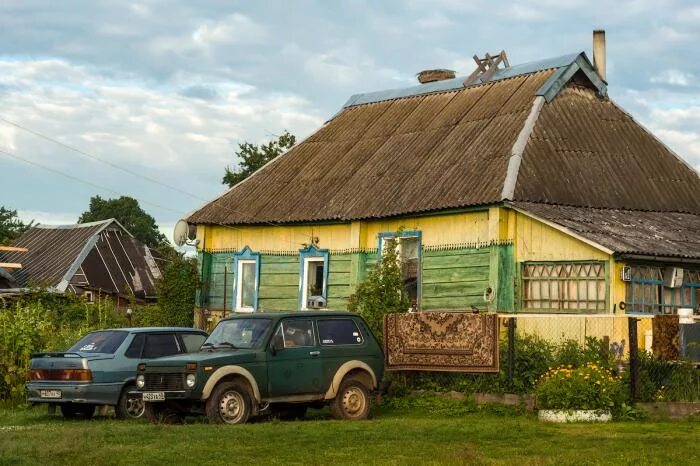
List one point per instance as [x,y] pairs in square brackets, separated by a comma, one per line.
[235,28]
[673,77]
[48,218]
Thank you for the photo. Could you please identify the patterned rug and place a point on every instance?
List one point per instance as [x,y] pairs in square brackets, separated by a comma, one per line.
[441,341]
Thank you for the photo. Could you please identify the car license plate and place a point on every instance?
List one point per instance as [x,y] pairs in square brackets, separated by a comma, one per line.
[50,393]
[154,396]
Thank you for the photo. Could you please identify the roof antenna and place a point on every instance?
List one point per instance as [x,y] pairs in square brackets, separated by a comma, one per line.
[486,67]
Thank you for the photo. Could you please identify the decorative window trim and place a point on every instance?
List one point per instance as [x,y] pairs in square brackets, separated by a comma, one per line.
[312,252]
[245,255]
[406,234]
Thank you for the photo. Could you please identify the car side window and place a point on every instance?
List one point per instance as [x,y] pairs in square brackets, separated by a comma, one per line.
[160,344]
[294,333]
[333,332]
[192,341]
[136,346]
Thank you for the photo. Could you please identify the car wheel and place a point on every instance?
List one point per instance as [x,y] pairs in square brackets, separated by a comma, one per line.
[289,412]
[129,407]
[352,400]
[229,403]
[158,413]
[77,411]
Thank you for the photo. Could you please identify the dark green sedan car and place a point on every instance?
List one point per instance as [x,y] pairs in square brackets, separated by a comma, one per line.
[281,363]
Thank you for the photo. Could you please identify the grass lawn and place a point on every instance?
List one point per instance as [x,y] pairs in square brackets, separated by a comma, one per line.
[405,435]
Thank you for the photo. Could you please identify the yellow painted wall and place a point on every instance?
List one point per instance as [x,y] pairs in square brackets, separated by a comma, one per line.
[436,230]
[536,241]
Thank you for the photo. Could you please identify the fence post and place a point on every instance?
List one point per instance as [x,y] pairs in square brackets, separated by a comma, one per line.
[511,350]
[634,358]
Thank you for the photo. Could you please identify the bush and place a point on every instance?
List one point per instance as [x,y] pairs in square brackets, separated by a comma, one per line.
[585,387]
[661,380]
[176,293]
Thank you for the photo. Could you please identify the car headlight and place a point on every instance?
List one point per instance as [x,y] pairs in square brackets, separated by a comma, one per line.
[140,381]
[190,380]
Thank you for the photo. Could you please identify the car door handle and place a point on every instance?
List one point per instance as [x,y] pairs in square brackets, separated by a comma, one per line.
[314,353]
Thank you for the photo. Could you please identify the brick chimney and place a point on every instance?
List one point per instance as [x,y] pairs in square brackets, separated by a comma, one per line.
[429,76]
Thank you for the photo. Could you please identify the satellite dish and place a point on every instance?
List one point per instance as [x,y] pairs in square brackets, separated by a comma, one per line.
[180,232]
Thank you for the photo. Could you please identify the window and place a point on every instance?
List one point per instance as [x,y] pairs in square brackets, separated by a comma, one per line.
[136,346]
[241,333]
[339,332]
[566,287]
[246,280]
[192,341]
[314,278]
[645,292]
[294,333]
[408,247]
[100,342]
[159,345]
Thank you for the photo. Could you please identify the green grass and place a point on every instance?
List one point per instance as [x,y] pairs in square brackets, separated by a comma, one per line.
[413,433]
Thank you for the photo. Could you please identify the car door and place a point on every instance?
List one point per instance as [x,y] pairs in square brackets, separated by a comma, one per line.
[294,366]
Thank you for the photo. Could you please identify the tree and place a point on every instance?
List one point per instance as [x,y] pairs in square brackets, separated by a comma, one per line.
[381,292]
[11,227]
[251,157]
[176,290]
[126,210]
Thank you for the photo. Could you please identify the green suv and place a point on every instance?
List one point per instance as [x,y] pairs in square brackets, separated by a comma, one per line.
[279,363]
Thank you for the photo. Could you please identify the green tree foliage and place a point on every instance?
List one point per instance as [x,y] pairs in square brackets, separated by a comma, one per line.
[251,157]
[176,291]
[126,210]
[381,292]
[11,227]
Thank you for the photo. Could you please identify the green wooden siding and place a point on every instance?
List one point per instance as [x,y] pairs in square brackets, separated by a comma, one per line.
[279,283]
[220,274]
[455,279]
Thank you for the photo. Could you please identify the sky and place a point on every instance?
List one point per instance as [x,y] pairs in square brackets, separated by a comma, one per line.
[168,89]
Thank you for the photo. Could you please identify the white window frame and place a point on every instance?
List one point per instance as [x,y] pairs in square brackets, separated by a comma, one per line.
[239,285]
[305,276]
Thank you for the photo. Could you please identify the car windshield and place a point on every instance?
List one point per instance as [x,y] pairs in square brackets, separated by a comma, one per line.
[100,342]
[238,333]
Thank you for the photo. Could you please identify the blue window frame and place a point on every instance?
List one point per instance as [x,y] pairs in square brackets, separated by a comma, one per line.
[246,283]
[313,275]
[647,294]
[411,260]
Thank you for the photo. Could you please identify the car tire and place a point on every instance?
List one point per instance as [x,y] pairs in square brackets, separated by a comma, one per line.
[77,411]
[352,401]
[229,403]
[129,407]
[289,411]
[158,413]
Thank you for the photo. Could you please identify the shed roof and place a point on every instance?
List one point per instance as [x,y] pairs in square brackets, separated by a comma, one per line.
[625,232]
[542,132]
[98,255]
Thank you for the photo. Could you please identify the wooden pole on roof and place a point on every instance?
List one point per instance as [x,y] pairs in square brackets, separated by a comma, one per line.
[10,265]
[13,249]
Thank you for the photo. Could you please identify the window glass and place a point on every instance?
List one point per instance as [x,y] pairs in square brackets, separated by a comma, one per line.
[158,345]
[407,251]
[134,350]
[246,283]
[192,341]
[561,286]
[339,332]
[100,342]
[295,333]
[314,277]
[241,333]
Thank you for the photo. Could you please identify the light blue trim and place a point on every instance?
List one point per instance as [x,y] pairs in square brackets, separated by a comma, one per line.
[410,234]
[246,254]
[554,84]
[312,251]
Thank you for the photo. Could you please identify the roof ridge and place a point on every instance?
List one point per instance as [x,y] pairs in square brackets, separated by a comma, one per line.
[69,226]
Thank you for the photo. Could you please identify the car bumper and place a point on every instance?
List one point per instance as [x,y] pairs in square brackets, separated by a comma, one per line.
[90,393]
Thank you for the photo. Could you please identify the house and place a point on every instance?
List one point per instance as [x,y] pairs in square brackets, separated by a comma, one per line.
[518,188]
[88,259]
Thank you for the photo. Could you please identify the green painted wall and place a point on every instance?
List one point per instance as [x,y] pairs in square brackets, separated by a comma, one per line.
[451,279]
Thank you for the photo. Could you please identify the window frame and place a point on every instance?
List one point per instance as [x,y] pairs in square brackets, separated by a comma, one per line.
[245,256]
[383,236]
[306,255]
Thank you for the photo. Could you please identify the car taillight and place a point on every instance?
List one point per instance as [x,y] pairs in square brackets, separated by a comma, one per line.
[68,375]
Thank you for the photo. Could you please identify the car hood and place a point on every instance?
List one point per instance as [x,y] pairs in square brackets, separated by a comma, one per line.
[214,358]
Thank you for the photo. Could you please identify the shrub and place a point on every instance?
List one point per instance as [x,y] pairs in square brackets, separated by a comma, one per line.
[661,380]
[585,387]
[176,293]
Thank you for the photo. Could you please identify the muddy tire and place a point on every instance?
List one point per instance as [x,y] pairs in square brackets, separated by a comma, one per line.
[352,401]
[159,413]
[77,411]
[129,407]
[229,403]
